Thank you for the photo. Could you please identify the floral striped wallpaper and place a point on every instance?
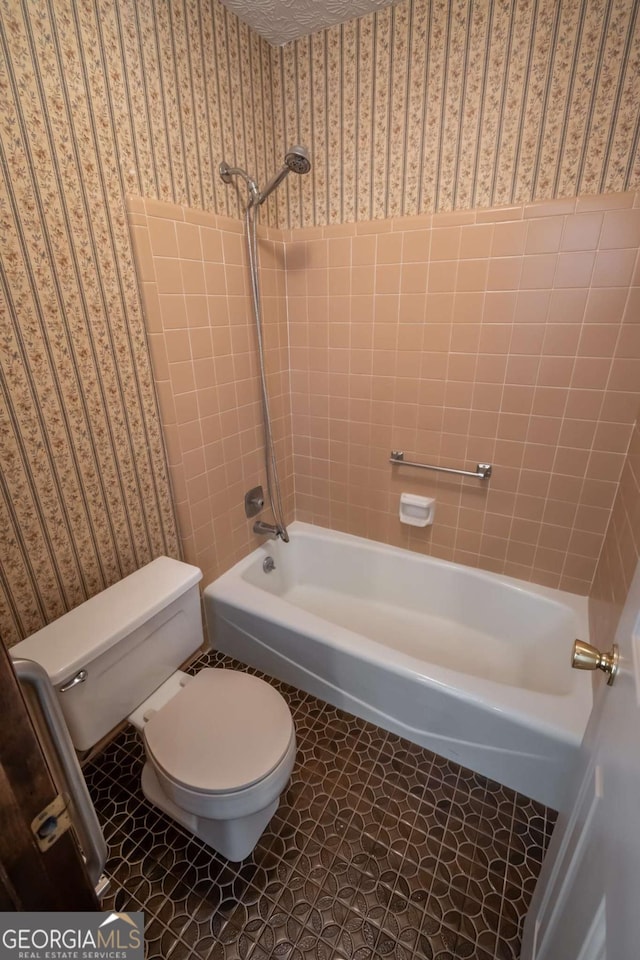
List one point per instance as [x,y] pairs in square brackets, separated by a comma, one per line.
[97,99]
[456,104]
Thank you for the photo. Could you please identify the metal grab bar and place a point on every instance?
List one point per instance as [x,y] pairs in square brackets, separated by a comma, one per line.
[85,821]
[482,471]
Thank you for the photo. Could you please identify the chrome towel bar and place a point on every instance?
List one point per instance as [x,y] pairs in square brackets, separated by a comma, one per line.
[482,471]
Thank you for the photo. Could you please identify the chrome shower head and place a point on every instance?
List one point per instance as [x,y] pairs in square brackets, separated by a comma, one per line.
[297,159]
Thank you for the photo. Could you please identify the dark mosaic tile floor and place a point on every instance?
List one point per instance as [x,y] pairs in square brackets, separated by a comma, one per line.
[379,849]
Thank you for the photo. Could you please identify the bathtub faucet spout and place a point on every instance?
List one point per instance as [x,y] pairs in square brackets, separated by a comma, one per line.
[270,530]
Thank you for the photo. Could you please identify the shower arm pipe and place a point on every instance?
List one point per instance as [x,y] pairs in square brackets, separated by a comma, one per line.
[227,172]
[482,472]
[273,184]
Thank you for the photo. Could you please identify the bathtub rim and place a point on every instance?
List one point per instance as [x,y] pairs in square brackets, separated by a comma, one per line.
[560,715]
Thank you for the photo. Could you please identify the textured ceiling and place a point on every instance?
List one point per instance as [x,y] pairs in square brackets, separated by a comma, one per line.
[279,21]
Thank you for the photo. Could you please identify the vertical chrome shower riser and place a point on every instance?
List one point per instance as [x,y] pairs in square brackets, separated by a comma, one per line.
[297,160]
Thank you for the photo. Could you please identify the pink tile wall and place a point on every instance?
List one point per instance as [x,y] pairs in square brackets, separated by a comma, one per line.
[193,273]
[507,335]
[620,552]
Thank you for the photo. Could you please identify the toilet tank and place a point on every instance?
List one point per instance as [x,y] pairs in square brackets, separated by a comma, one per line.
[129,639]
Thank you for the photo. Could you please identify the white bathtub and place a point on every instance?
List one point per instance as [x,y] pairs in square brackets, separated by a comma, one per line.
[472,665]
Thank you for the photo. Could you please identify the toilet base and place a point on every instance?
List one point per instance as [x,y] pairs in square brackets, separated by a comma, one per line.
[234,839]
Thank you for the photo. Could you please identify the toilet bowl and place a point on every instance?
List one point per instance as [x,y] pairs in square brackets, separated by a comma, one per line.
[220,746]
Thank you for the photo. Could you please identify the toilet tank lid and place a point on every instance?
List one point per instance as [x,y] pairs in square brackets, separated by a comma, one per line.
[75,639]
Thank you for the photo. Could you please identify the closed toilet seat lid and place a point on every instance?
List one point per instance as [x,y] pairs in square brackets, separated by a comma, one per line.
[224,731]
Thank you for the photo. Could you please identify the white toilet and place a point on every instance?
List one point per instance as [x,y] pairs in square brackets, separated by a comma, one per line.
[220,746]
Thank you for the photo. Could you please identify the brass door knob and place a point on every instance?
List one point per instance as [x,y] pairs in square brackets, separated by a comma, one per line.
[586,657]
